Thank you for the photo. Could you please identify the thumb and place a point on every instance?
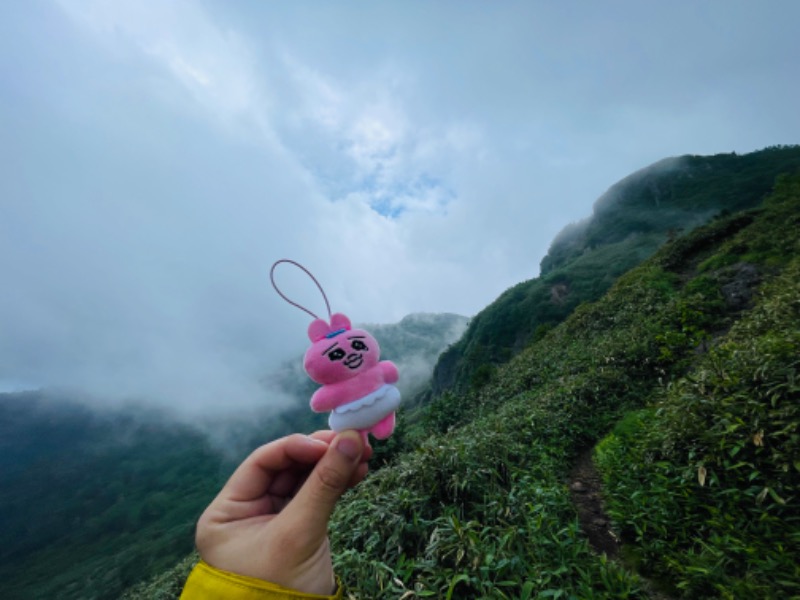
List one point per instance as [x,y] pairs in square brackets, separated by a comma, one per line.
[314,502]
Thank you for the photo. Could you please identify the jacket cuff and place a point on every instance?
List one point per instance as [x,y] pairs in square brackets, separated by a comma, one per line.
[209,583]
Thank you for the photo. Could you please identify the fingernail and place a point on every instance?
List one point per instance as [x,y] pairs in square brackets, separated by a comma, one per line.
[349,446]
[316,441]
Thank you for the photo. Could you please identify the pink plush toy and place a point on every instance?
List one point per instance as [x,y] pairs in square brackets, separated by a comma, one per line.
[356,385]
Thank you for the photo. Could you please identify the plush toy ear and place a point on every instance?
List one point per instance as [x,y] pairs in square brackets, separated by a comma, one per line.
[318,330]
[340,321]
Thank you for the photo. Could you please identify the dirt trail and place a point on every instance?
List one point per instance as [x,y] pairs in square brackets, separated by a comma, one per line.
[586,487]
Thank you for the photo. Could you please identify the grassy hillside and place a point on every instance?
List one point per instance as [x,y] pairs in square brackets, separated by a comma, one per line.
[91,500]
[629,222]
[686,370]
[705,338]
[704,482]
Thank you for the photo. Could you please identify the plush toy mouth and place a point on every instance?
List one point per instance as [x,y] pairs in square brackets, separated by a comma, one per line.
[354,361]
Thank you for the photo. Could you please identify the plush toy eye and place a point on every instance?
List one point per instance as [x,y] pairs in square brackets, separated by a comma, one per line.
[358,345]
[337,354]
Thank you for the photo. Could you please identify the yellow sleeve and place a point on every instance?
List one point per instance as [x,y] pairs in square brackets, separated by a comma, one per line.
[208,583]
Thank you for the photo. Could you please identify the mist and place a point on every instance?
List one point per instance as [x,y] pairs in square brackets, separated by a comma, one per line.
[156,162]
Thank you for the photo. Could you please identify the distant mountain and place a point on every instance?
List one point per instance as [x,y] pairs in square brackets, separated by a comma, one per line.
[93,500]
[629,223]
[673,195]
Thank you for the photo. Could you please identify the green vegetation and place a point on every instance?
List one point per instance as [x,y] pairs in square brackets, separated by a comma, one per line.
[704,484]
[681,373]
[89,502]
[165,585]
[483,511]
[690,361]
[629,223]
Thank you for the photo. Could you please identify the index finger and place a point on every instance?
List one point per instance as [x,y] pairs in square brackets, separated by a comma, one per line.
[254,476]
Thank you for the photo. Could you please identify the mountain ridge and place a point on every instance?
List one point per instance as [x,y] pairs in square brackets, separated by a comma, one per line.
[471,498]
[474,501]
[629,223]
[684,372]
[680,380]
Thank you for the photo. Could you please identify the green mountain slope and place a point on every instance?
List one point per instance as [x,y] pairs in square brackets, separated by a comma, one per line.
[629,222]
[483,510]
[690,361]
[90,500]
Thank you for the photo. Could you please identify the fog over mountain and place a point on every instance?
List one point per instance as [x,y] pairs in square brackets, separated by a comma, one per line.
[157,158]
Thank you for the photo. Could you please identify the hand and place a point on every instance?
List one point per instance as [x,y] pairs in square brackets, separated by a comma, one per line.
[270,521]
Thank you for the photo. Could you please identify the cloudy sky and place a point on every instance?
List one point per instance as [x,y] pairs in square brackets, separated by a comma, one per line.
[157,157]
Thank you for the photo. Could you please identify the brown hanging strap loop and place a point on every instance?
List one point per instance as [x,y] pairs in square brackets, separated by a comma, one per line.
[292,302]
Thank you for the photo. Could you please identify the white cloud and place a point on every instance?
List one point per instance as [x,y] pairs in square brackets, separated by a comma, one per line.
[363,143]
[373,140]
[213,65]
[416,157]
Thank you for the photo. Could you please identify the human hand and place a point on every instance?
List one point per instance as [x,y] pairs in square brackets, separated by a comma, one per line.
[270,521]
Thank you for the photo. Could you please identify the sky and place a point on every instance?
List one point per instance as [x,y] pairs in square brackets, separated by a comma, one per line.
[157,157]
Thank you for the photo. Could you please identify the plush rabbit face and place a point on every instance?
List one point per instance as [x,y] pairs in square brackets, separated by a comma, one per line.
[337,352]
